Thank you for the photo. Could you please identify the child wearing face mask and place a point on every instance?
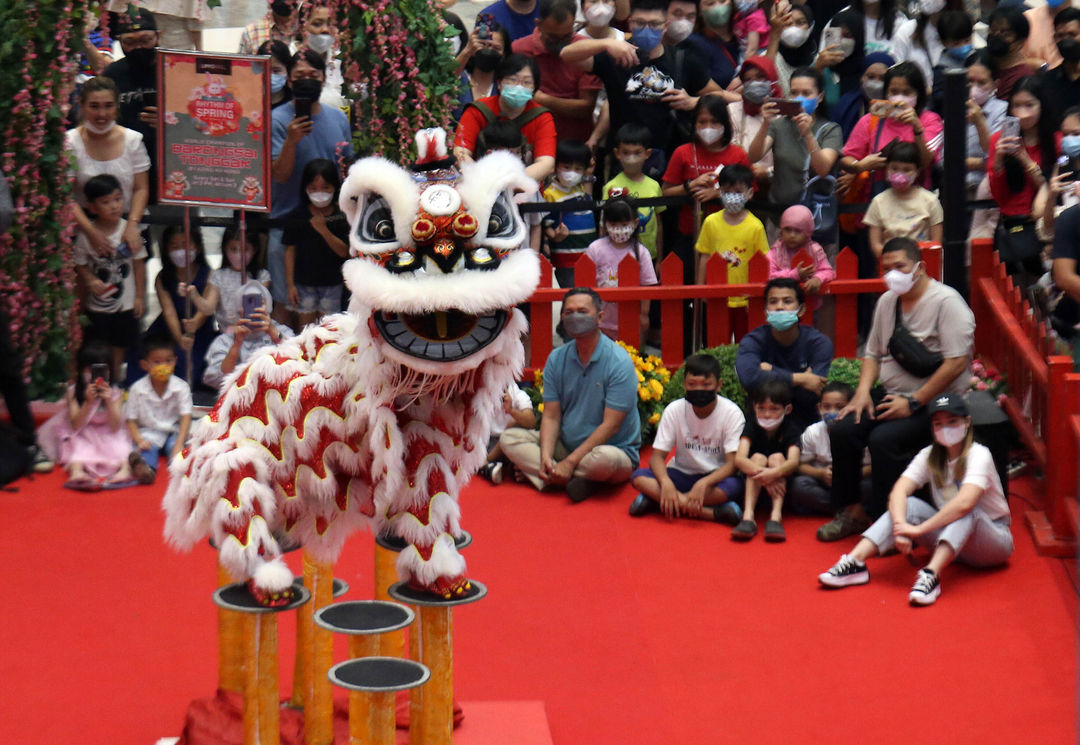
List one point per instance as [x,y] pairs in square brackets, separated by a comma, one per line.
[811,487]
[620,241]
[239,264]
[184,272]
[316,241]
[968,519]
[768,454]
[905,209]
[734,234]
[158,410]
[633,145]
[797,234]
[568,234]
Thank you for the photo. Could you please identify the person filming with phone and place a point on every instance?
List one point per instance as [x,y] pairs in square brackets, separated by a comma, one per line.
[302,130]
[252,331]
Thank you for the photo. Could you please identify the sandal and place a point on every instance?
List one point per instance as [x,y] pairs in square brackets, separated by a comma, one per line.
[774,532]
[744,531]
[83,483]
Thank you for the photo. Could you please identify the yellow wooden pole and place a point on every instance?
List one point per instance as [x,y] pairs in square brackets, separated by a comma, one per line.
[392,643]
[416,695]
[360,704]
[437,653]
[230,642]
[319,698]
[383,730]
[269,696]
[250,625]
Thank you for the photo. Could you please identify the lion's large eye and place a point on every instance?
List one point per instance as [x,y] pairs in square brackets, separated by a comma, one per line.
[377,223]
[501,224]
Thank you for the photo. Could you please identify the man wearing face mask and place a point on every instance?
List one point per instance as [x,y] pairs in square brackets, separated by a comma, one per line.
[279,24]
[590,432]
[891,418]
[1063,82]
[1042,40]
[566,90]
[784,349]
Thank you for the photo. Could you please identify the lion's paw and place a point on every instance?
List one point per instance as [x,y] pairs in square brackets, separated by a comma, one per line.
[447,588]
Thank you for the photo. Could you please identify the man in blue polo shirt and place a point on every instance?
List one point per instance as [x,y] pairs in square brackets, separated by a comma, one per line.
[590,432]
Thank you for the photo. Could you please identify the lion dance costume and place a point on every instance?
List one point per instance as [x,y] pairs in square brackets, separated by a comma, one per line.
[376,417]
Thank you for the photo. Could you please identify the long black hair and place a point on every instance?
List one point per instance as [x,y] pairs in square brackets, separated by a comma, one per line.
[168,268]
[1014,172]
[851,69]
[717,108]
[886,21]
[802,56]
[92,352]
[319,167]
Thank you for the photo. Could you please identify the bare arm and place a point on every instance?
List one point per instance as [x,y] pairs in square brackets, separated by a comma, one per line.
[1066,277]
[181,435]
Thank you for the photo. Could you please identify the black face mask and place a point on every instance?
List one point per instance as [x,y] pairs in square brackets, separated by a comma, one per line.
[142,58]
[307,88]
[701,399]
[486,60]
[1069,49]
[997,46]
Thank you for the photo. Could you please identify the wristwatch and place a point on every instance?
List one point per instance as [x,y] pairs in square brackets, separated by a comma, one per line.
[913,403]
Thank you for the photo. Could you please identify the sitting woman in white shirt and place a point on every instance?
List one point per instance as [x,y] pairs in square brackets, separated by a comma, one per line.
[969,520]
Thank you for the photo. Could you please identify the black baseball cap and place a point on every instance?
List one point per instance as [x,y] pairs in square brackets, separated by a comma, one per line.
[951,402]
[141,20]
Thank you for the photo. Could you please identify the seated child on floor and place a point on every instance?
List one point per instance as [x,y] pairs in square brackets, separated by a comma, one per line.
[768,455]
[968,521]
[703,430]
[88,437]
[517,411]
[811,487]
[158,409]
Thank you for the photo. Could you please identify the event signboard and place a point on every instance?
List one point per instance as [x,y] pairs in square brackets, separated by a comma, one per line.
[214,130]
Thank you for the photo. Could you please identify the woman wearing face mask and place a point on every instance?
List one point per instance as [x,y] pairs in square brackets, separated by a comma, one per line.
[907,121]
[693,165]
[881,20]
[1005,41]
[478,60]
[1019,166]
[855,104]
[791,43]
[758,75]
[1062,191]
[517,77]
[717,43]
[99,145]
[184,272]
[316,244]
[280,64]
[598,17]
[968,519]
[917,39]
[985,112]
[320,36]
[841,63]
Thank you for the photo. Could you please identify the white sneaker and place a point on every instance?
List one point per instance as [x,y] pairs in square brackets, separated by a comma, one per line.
[927,588]
[492,472]
[845,573]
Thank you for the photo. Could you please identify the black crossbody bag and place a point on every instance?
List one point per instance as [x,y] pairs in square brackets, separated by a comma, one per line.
[910,353]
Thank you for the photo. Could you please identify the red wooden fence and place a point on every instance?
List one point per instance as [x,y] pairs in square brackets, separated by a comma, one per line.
[671,294]
[1044,395]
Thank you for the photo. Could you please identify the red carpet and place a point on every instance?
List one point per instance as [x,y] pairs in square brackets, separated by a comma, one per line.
[629,631]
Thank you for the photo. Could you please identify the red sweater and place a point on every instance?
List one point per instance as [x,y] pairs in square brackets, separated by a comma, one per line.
[1014,203]
[540,132]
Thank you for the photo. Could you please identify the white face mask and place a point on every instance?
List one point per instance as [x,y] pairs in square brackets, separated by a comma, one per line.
[680,29]
[794,37]
[620,233]
[709,135]
[770,423]
[100,130]
[179,257]
[321,198]
[320,43]
[599,14]
[900,282]
[951,435]
[570,179]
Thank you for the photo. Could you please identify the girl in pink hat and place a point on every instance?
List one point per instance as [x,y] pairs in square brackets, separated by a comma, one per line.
[796,234]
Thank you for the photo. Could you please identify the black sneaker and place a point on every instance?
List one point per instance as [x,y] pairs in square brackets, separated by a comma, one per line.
[727,513]
[927,588]
[579,489]
[492,472]
[642,505]
[845,573]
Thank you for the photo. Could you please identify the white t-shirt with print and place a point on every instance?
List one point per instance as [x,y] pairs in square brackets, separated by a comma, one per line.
[117,271]
[980,471]
[700,445]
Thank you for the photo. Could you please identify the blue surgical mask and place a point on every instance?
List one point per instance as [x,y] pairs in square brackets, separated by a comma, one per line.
[1070,145]
[829,417]
[277,82]
[515,96]
[782,320]
[646,38]
[809,104]
[961,52]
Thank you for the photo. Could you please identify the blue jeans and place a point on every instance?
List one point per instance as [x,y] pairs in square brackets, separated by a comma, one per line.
[151,455]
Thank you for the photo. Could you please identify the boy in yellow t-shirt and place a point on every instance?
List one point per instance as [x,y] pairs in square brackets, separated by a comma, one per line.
[632,150]
[736,235]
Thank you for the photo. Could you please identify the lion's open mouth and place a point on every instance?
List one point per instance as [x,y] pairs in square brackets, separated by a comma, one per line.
[440,336]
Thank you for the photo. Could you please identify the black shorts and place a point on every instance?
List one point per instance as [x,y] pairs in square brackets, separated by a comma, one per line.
[116,329]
